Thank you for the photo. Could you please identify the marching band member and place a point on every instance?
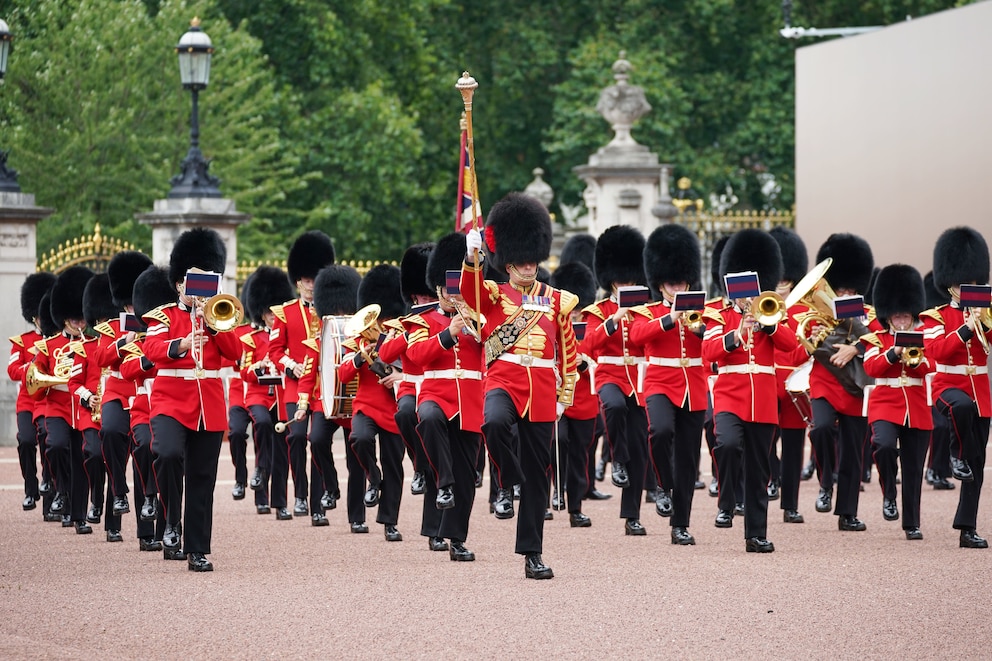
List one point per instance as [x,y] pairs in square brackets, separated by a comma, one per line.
[897,403]
[22,352]
[939,470]
[47,485]
[374,409]
[837,404]
[744,402]
[449,403]
[530,357]
[266,287]
[55,358]
[187,431]
[792,426]
[577,425]
[296,322]
[620,262]
[675,381]
[238,417]
[953,335]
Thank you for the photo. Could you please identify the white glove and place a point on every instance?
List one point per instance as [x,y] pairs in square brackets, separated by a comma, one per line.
[473,242]
[560,410]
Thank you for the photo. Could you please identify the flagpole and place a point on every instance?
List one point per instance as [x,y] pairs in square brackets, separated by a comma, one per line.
[459,212]
[467,86]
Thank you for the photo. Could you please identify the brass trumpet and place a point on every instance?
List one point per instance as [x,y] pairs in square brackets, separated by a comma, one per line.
[769,309]
[223,313]
[693,320]
[912,356]
[474,321]
[35,379]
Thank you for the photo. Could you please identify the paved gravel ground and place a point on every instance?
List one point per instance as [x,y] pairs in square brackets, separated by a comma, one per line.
[288,590]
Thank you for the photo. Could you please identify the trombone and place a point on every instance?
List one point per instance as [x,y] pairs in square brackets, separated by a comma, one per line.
[221,313]
[983,321]
[474,321]
[768,309]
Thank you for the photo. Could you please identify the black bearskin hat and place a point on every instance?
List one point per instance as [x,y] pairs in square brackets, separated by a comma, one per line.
[619,257]
[715,257]
[935,297]
[898,288]
[310,252]
[200,247]
[518,231]
[269,286]
[152,289]
[67,294]
[578,279]
[671,254]
[45,322]
[870,292]
[852,262]
[960,256]
[98,302]
[753,250]
[579,248]
[335,290]
[34,288]
[413,271]
[448,255]
[123,270]
[381,285]
[795,258]
[543,275]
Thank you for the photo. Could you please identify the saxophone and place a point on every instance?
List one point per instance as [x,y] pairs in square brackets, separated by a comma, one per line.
[96,401]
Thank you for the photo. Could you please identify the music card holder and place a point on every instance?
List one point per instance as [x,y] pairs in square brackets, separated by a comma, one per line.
[628,297]
[909,339]
[130,323]
[200,283]
[579,327]
[272,380]
[689,301]
[848,307]
[451,280]
[976,296]
[742,285]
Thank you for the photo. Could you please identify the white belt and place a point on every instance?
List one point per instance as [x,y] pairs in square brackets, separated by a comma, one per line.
[749,368]
[115,374]
[141,390]
[413,378]
[675,362]
[966,370]
[620,360]
[899,382]
[61,387]
[527,361]
[190,374]
[474,375]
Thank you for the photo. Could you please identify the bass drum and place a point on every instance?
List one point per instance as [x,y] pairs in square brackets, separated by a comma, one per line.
[337,397]
[797,385]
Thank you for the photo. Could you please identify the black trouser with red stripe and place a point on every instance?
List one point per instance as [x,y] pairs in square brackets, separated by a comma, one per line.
[577,442]
[27,452]
[627,432]
[296,442]
[530,468]
[237,438]
[969,441]
[115,429]
[911,453]
[851,433]
[323,473]
[793,444]
[191,455]
[93,464]
[407,420]
[143,475]
[749,444]
[264,438]
[675,435]
[389,478]
[450,454]
[65,452]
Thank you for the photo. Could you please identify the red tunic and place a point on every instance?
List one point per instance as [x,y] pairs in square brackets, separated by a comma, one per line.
[823,384]
[54,359]
[109,356]
[85,383]
[372,399]
[394,350]
[178,392]
[745,385]
[256,347]
[899,395]
[22,351]
[617,360]
[786,363]
[961,364]
[673,355]
[452,367]
[141,372]
[585,402]
[295,323]
[539,368]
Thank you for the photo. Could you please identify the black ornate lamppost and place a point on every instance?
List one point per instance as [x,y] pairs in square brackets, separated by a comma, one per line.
[8,177]
[194,179]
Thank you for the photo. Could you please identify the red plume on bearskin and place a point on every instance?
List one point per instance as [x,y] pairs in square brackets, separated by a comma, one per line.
[311,252]
[753,250]
[518,231]
[898,288]
[852,262]
[335,290]
[34,288]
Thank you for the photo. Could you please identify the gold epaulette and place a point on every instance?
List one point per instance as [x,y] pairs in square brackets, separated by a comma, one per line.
[715,315]
[18,340]
[872,339]
[133,356]
[568,301]
[643,310]
[247,340]
[350,344]
[594,310]
[311,343]
[77,348]
[280,310]
[394,324]
[105,329]
[159,315]
[42,346]
[714,302]
[132,349]
[869,314]
[934,313]
[416,320]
